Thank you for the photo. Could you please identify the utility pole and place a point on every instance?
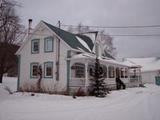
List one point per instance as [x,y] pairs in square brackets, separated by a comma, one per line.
[58,53]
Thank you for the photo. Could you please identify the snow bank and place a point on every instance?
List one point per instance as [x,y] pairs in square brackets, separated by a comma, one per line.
[3,92]
[10,82]
[129,104]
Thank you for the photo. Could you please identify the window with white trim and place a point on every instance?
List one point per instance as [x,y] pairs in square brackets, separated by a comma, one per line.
[111,72]
[48,69]
[48,44]
[78,70]
[35,46]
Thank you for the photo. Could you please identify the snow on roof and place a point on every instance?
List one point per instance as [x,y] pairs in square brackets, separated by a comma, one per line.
[112,61]
[130,63]
[90,35]
[83,43]
[83,56]
[148,64]
[92,56]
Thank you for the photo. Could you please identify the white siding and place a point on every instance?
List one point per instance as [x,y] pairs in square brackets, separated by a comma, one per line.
[27,57]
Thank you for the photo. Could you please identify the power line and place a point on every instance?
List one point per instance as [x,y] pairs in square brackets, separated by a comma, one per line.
[138,35]
[113,35]
[129,26]
[118,35]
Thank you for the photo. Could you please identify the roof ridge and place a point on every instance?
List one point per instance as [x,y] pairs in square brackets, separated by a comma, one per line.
[58,28]
[68,37]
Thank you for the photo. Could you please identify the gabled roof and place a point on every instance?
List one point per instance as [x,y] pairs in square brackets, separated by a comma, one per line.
[69,38]
[75,41]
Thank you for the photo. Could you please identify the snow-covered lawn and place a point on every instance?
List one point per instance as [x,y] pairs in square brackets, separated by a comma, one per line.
[129,104]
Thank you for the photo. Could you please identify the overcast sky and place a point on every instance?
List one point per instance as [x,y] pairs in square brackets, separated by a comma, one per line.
[103,13]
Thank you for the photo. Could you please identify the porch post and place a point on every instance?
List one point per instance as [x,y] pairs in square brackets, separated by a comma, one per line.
[86,76]
[140,76]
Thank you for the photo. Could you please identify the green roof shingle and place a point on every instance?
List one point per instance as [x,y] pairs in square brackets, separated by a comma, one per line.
[72,41]
[68,37]
[87,40]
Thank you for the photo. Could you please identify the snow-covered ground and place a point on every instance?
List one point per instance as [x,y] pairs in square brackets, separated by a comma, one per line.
[129,104]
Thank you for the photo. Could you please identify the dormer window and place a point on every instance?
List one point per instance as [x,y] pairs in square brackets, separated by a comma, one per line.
[48,44]
[35,46]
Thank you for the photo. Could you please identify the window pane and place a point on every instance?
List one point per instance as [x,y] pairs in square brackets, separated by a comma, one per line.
[48,69]
[48,44]
[35,68]
[111,71]
[78,70]
[35,46]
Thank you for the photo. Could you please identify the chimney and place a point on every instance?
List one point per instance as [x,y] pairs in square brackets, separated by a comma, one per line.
[29,26]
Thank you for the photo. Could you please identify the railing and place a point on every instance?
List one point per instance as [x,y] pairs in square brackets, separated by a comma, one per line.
[134,78]
[77,82]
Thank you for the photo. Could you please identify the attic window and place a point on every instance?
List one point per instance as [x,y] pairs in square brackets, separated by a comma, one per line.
[35,46]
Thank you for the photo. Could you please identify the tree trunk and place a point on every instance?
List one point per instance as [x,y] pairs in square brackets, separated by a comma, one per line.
[1,77]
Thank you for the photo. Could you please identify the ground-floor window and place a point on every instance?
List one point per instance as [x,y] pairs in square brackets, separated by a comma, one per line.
[105,71]
[111,72]
[34,70]
[78,70]
[48,69]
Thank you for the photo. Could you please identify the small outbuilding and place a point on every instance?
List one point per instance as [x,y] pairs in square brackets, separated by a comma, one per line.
[150,71]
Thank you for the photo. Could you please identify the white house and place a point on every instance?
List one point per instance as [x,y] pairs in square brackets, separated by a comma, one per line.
[65,58]
[150,71]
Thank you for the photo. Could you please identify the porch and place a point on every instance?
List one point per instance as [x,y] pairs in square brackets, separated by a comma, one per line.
[80,75]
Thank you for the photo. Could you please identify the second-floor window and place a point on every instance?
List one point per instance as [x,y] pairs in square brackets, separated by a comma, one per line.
[35,46]
[48,44]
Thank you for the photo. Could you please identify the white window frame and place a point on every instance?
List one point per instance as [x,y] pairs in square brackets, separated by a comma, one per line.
[111,72]
[31,69]
[46,49]
[45,69]
[32,46]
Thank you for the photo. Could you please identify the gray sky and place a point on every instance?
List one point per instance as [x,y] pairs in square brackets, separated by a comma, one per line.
[103,13]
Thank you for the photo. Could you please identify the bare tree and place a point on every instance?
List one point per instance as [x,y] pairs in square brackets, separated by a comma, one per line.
[9,32]
[106,42]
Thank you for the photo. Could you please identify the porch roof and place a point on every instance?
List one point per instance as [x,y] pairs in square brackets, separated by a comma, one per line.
[93,57]
[147,64]
[131,64]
